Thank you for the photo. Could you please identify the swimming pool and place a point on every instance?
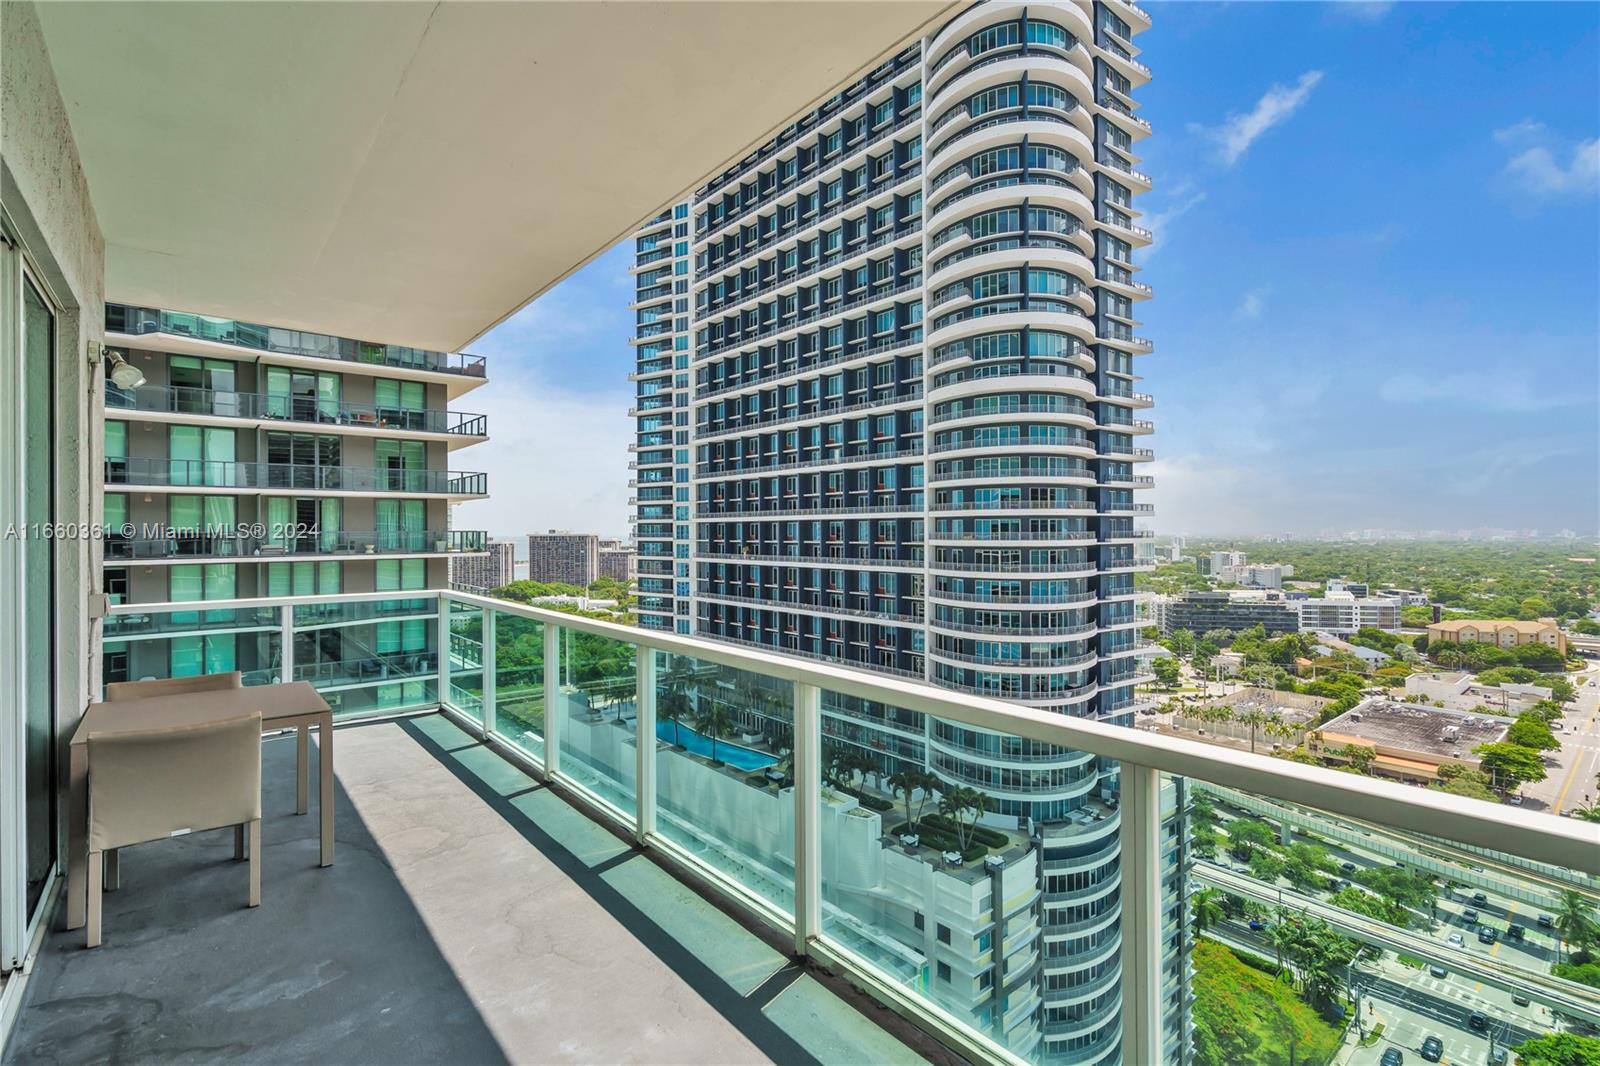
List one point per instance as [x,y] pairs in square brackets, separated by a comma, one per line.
[733,754]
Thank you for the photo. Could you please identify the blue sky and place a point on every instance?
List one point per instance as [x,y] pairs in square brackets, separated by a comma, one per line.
[1377,278]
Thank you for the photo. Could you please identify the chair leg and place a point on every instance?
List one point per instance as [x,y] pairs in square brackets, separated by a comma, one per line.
[96,876]
[255,862]
[113,869]
[238,842]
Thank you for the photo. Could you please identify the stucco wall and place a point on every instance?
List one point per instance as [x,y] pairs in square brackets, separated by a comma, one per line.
[46,200]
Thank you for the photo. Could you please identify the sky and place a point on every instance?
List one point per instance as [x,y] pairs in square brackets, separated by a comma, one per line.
[1376,274]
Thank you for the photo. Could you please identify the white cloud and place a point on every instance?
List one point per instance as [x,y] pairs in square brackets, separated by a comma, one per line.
[1239,132]
[1479,391]
[1519,131]
[1537,170]
[1253,303]
[556,459]
[1184,197]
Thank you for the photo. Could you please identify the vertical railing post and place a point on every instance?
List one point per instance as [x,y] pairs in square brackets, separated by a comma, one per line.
[441,641]
[286,644]
[807,799]
[644,737]
[486,658]
[552,699]
[1140,862]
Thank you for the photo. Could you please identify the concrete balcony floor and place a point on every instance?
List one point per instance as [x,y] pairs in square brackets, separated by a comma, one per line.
[472,916]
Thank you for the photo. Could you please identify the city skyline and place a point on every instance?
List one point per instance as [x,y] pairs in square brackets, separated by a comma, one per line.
[1408,389]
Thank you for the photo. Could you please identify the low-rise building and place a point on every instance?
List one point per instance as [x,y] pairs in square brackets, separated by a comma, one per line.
[1407,597]
[1410,741]
[1461,691]
[1201,611]
[617,561]
[1341,611]
[1501,632]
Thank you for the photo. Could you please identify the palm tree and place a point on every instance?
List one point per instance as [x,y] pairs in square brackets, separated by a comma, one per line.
[1255,720]
[956,804]
[1205,907]
[674,706]
[1575,923]
[712,721]
[905,784]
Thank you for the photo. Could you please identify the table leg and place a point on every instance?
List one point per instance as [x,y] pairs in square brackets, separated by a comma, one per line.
[325,773]
[77,835]
[302,785]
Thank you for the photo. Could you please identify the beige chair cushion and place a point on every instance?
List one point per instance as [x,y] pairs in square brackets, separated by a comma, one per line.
[119,691]
[154,783]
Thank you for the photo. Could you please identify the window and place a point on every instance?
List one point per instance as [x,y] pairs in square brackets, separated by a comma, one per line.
[200,455]
[944,933]
[944,972]
[394,575]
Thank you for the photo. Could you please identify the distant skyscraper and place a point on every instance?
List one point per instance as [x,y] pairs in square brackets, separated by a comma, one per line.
[885,402]
[488,571]
[571,558]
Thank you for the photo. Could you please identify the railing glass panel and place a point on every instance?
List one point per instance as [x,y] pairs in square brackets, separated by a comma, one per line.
[518,705]
[597,702]
[724,790]
[465,665]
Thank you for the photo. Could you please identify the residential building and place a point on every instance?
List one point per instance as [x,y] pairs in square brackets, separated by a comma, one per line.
[886,418]
[1407,597]
[496,567]
[1503,633]
[563,556]
[1355,588]
[1258,575]
[1219,562]
[617,561]
[1199,611]
[259,461]
[1410,741]
[1343,612]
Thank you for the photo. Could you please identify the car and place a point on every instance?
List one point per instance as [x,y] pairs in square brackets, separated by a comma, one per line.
[1497,1057]
[1515,932]
[1257,924]
[1480,899]
[1519,999]
[1469,916]
[1515,800]
[1432,1048]
[1392,1057]
[1455,938]
[1438,971]
[1340,885]
[1545,921]
[1347,867]
[1478,1022]
[1486,935]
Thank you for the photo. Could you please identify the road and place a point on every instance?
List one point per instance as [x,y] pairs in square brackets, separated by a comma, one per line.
[1571,780]
[1571,999]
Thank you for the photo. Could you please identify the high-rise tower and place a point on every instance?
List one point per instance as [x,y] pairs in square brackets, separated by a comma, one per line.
[909,440]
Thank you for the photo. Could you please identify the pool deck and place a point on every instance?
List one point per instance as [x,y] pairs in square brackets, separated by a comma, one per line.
[474,916]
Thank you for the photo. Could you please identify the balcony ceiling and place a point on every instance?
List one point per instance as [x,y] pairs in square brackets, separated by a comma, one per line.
[413,173]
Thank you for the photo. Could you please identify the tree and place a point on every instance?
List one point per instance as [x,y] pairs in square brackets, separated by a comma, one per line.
[1532,730]
[1359,757]
[1204,652]
[1509,766]
[956,804]
[1167,671]
[711,721]
[1575,921]
[1266,865]
[1306,865]
[1205,908]
[908,783]
[1459,780]
[1255,720]
[1182,641]
[1559,1049]
[1246,837]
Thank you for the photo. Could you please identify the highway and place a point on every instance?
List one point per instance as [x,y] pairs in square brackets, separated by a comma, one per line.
[1567,997]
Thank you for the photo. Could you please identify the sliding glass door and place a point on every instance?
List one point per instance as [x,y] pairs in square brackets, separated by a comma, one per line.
[38,606]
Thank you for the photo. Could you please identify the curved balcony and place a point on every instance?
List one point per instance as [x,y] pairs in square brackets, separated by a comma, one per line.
[268,411]
[184,545]
[230,476]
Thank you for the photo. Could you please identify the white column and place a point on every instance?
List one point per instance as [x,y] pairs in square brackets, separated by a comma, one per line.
[807,797]
[286,644]
[1141,914]
[552,699]
[644,772]
[486,653]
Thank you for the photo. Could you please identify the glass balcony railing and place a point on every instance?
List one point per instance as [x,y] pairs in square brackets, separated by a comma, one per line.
[230,474]
[226,404]
[145,320]
[1033,887]
[198,544]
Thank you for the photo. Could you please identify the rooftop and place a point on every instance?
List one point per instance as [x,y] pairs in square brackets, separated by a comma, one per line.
[1452,625]
[1418,728]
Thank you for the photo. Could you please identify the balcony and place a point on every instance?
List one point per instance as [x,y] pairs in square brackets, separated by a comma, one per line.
[149,321]
[552,817]
[216,475]
[270,411]
[187,545]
